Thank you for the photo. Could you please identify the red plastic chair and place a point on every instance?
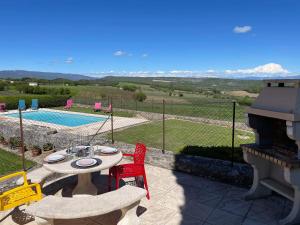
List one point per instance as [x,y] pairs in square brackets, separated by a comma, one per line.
[134,169]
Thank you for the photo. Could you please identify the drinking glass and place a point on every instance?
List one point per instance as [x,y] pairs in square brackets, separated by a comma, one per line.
[91,151]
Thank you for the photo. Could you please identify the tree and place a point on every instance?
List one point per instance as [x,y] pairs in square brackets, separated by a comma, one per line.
[140,96]
[2,86]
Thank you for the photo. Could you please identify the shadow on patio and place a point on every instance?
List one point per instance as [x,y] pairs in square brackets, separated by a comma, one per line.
[196,200]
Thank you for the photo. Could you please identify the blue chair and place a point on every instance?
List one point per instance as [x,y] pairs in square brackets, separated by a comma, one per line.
[22,104]
[34,104]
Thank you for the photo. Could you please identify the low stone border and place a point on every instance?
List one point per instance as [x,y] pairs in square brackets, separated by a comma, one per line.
[216,169]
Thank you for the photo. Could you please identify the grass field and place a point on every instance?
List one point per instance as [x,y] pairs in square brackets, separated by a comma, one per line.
[190,104]
[212,110]
[10,162]
[181,133]
[91,111]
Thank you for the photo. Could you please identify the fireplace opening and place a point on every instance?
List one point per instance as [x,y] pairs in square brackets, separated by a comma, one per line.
[272,134]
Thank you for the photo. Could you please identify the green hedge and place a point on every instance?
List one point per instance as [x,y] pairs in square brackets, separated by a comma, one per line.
[45,101]
[216,152]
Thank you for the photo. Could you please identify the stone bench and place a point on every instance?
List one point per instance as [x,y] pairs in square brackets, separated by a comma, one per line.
[126,199]
[36,176]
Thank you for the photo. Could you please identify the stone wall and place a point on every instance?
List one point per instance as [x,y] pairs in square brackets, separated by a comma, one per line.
[40,135]
[239,174]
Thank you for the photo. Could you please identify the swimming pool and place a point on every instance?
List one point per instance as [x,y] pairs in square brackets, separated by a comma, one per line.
[59,118]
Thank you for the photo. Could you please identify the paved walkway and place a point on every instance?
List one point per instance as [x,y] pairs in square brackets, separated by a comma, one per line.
[182,199]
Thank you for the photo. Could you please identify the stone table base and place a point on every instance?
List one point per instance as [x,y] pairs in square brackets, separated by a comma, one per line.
[85,185]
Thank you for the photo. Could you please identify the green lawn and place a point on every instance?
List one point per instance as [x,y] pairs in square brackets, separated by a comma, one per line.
[90,110]
[181,133]
[10,162]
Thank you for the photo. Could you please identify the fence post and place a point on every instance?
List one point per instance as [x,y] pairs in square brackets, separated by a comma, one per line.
[233,130]
[22,140]
[152,105]
[164,129]
[136,103]
[112,122]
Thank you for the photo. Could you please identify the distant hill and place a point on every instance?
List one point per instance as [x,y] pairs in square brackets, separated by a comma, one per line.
[15,74]
[190,84]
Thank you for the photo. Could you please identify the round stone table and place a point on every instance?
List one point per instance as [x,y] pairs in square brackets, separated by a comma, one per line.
[85,184]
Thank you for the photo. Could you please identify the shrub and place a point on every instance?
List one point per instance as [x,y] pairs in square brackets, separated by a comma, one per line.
[38,90]
[35,150]
[45,101]
[48,147]
[180,94]
[245,100]
[216,152]
[140,96]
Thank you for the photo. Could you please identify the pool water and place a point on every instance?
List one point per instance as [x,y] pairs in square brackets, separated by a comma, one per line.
[59,118]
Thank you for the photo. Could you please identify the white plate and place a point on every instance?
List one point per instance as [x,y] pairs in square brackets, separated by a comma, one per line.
[86,162]
[107,150]
[55,158]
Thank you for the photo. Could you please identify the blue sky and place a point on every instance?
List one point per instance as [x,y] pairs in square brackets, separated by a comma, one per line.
[151,36]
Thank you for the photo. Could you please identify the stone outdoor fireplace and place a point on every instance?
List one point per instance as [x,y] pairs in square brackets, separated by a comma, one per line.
[275,155]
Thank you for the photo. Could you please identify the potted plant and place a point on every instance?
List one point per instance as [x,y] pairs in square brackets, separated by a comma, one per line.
[48,147]
[35,150]
[14,142]
[2,139]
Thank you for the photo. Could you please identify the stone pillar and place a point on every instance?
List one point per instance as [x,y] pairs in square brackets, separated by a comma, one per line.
[261,170]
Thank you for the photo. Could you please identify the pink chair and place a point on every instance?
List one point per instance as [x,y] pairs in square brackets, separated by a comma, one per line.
[108,110]
[2,107]
[97,107]
[69,104]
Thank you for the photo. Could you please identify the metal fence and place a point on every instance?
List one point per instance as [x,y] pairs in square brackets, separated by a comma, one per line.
[180,127]
[187,128]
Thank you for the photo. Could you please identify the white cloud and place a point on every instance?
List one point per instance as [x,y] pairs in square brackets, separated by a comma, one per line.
[120,53]
[263,71]
[144,55]
[182,72]
[242,29]
[210,71]
[270,68]
[69,60]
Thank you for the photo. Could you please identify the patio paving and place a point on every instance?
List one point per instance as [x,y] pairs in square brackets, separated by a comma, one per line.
[182,199]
